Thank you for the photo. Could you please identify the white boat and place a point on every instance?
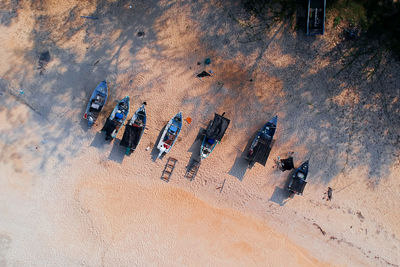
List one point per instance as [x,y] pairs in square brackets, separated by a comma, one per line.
[170,134]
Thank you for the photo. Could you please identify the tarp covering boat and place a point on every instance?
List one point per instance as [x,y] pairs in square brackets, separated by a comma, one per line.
[131,136]
[109,127]
[262,150]
[213,134]
[116,119]
[134,130]
[216,129]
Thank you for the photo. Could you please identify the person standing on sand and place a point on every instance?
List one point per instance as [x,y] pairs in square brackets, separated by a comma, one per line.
[328,194]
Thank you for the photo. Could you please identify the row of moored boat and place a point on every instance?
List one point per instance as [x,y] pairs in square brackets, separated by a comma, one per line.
[258,152]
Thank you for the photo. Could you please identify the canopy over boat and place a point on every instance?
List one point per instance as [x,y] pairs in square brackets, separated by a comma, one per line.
[216,129]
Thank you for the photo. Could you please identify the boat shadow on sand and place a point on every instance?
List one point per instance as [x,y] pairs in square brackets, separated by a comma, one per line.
[281,194]
[154,152]
[117,153]
[99,140]
[195,150]
[241,164]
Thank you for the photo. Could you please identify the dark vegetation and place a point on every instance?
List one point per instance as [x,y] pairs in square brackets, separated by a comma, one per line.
[370,28]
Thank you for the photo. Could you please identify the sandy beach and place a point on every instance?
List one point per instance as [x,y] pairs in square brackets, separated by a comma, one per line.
[68,198]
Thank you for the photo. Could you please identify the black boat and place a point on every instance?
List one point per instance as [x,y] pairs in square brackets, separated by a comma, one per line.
[213,134]
[262,144]
[134,130]
[117,119]
[316,17]
[298,179]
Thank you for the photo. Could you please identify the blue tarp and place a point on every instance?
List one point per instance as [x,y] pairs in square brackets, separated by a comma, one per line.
[211,141]
[173,129]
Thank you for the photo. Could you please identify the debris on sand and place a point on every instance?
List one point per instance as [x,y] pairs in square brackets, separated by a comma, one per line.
[285,164]
[140,34]
[203,74]
[221,187]
[207,61]
[360,216]
[319,227]
[89,17]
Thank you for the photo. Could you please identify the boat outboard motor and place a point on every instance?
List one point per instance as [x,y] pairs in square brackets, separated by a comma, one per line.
[90,121]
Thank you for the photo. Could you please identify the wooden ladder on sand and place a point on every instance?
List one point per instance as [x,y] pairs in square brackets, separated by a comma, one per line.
[192,170]
[168,169]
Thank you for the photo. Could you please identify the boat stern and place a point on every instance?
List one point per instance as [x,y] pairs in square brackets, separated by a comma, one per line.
[90,121]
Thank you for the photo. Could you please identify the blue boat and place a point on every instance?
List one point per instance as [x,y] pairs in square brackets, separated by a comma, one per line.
[213,134]
[262,143]
[134,130]
[96,103]
[298,179]
[117,119]
[170,134]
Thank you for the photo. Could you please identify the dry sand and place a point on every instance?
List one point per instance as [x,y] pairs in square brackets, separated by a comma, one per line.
[67,198]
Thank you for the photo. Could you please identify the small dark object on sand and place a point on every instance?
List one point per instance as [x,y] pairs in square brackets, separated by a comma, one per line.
[250,80]
[89,17]
[203,74]
[286,164]
[140,34]
[207,61]
[199,63]
[351,33]
[44,58]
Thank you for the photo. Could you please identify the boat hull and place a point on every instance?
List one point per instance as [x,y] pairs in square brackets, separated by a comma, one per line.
[261,145]
[206,148]
[170,134]
[97,101]
[113,123]
[134,130]
[298,179]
